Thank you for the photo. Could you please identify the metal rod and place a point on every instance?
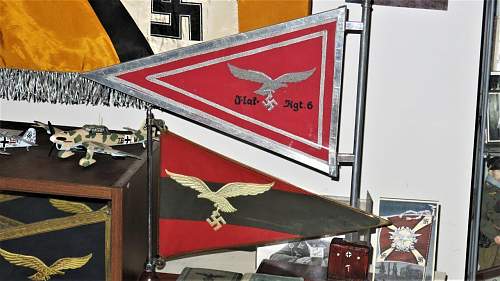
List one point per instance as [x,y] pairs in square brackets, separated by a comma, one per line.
[360,103]
[479,153]
[149,267]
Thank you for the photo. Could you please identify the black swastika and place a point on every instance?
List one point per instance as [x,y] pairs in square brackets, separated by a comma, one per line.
[177,9]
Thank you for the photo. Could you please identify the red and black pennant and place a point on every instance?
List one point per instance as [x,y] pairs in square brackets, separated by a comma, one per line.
[210,202]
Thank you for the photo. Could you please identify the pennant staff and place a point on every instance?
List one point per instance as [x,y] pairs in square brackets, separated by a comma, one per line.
[361,105]
[149,273]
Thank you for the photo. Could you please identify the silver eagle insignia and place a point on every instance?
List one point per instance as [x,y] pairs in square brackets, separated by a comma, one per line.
[219,198]
[269,85]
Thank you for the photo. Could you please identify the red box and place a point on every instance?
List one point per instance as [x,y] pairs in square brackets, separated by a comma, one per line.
[348,261]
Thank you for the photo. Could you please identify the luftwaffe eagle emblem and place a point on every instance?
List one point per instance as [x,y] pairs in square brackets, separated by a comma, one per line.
[44,272]
[219,198]
[269,85]
[70,207]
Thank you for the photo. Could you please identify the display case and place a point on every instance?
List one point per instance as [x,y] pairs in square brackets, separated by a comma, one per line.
[483,260]
[53,209]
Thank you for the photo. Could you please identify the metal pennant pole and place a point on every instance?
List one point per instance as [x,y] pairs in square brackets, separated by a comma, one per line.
[150,265]
[360,107]
[149,261]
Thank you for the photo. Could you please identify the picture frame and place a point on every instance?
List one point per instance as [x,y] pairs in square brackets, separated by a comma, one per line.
[406,250]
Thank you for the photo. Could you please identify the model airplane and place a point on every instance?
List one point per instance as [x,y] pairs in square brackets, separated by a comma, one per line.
[96,139]
[12,138]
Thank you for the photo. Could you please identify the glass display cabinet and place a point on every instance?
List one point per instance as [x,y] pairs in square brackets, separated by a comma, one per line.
[483,253]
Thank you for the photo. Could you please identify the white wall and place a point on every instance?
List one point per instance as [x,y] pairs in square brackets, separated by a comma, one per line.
[420,113]
[419,129]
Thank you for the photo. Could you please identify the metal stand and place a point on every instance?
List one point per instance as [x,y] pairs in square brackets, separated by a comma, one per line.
[360,108]
[149,273]
[355,158]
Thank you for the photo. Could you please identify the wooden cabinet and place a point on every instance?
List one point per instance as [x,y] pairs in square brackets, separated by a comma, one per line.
[118,185]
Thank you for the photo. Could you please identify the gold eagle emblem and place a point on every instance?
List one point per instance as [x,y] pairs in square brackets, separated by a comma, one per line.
[43,272]
[219,198]
[70,207]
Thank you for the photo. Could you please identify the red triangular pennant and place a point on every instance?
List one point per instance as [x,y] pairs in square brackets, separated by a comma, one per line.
[278,87]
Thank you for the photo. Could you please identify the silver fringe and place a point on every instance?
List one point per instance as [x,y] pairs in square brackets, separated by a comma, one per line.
[60,88]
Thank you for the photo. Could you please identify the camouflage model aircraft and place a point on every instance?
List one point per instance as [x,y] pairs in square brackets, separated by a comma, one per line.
[12,138]
[96,139]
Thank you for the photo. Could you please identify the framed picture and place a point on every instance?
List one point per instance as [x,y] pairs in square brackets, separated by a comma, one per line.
[406,250]
[307,252]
